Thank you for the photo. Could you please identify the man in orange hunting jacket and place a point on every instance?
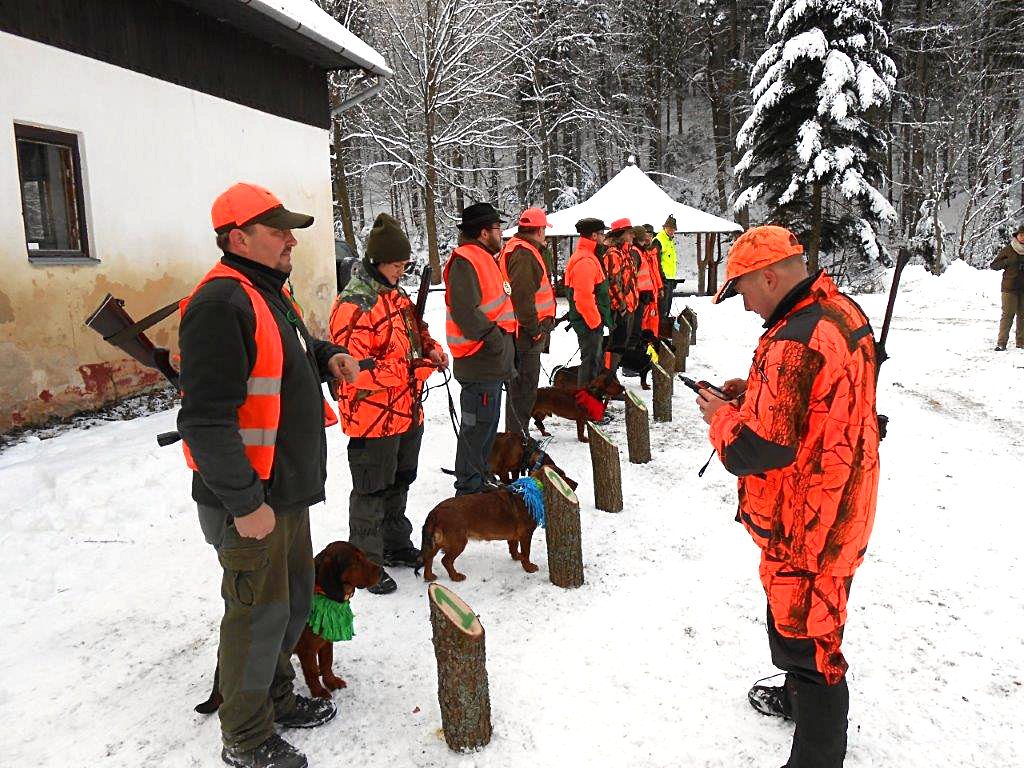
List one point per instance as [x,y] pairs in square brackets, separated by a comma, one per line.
[802,436]
[380,411]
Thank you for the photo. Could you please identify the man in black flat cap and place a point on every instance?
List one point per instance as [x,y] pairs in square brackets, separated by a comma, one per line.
[481,328]
[586,286]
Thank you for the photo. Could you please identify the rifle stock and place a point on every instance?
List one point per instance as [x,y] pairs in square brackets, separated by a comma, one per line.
[421,296]
[110,320]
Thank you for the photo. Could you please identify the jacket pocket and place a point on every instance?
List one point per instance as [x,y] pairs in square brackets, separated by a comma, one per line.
[245,572]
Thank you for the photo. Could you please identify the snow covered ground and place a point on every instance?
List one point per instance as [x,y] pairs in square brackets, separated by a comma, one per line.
[112,600]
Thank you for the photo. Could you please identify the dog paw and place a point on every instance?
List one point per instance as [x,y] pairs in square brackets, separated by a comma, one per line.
[334,683]
[319,693]
[584,439]
[458,577]
[530,567]
[429,577]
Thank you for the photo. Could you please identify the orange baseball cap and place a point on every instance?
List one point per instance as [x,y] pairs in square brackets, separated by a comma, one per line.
[533,217]
[620,224]
[755,249]
[242,204]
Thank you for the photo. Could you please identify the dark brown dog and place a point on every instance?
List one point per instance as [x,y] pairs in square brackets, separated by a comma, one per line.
[339,570]
[606,383]
[552,401]
[514,455]
[499,515]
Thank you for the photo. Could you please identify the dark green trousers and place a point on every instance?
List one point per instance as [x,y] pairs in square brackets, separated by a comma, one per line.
[267,588]
[382,468]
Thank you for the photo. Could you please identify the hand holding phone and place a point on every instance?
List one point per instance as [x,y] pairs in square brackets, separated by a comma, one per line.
[697,386]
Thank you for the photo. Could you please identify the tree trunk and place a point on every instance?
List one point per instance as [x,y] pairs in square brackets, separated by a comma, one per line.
[691,318]
[814,240]
[662,394]
[563,532]
[462,688]
[681,343]
[604,460]
[429,204]
[638,430]
[700,269]
[666,356]
[460,195]
[341,196]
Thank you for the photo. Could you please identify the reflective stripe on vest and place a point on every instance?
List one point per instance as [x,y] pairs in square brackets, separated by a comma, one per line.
[494,299]
[260,413]
[544,298]
[668,255]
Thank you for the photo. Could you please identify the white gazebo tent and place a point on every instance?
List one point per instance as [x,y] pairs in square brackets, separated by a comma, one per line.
[632,194]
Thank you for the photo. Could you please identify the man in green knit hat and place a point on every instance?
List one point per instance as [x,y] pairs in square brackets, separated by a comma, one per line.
[380,411]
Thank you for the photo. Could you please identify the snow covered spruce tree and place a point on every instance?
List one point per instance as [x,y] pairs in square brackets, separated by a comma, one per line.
[813,140]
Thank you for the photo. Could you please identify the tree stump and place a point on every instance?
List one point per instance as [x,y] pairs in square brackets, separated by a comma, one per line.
[563,532]
[461,670]
[638,430]
[691,318]
[604,458]
[666,356]
[681,342]
[662,394]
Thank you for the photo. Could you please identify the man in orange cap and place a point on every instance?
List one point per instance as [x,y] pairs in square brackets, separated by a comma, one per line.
[801,433]
[252,420]
[523,267]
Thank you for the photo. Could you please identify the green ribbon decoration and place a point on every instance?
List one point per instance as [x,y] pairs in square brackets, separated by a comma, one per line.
[331,620]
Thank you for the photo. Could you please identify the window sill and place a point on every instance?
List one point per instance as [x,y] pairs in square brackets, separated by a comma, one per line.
[59,261]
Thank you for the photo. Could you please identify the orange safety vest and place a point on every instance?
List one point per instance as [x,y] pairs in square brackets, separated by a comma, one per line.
[259,415]
[495,301]
[545,296]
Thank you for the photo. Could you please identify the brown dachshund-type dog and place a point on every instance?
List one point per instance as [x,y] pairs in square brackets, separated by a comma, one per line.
[606,384]
[566,403]
[339,570]
[499,515]
[514,455]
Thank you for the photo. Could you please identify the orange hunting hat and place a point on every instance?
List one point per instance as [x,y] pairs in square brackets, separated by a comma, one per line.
[620,224]
[242,204]
[755,249]
[533,217]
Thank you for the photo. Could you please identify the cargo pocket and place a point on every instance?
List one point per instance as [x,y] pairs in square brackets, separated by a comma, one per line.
[486,407]
[245,572]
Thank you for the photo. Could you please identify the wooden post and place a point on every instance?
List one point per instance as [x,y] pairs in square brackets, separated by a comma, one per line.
[638,429]
[681,341]
[461,670]
[563,532]
[666,356]
[691,318]
[604,458]
[662,395]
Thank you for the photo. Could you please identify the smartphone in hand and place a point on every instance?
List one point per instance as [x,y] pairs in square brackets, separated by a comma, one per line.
[697,386]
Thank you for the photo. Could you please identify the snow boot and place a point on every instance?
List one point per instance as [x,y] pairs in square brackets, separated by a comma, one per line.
[275,752]
[772,700]
[385,586]
[409,557]
[820,711]
[308,713]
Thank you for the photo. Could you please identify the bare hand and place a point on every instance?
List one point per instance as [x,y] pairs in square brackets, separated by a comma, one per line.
[709,404]
[343,366]
[734,388]
[438,357]
[257,524]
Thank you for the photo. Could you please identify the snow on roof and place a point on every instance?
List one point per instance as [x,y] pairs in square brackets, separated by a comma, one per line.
[631,193]
[314,23]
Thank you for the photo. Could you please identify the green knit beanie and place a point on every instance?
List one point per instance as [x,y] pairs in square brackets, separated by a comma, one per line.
[387,242]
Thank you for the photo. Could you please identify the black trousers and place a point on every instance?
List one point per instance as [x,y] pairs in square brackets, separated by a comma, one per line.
[481,412]
[819,710]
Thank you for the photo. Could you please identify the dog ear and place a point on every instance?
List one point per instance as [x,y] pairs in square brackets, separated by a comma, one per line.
[330,569]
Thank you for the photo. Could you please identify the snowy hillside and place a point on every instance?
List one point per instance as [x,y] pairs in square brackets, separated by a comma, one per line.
[112,600]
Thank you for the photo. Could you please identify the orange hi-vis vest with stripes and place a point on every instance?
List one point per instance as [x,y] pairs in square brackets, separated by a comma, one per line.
[495,301]
[259,415]
[545,296]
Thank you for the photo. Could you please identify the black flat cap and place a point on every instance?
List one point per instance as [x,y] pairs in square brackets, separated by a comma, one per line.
[479,215]
[590,226]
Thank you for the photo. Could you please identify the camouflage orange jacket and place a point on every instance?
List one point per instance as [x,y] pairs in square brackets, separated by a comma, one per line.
[804,441]
[378,321]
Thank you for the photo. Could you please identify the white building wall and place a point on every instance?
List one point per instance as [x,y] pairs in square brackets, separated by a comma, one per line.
[154,156]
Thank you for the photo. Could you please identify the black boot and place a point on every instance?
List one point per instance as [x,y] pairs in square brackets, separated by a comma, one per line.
[820,712]
[275,752]
[772,700]
[308,713]
[409,557]
[385,586]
